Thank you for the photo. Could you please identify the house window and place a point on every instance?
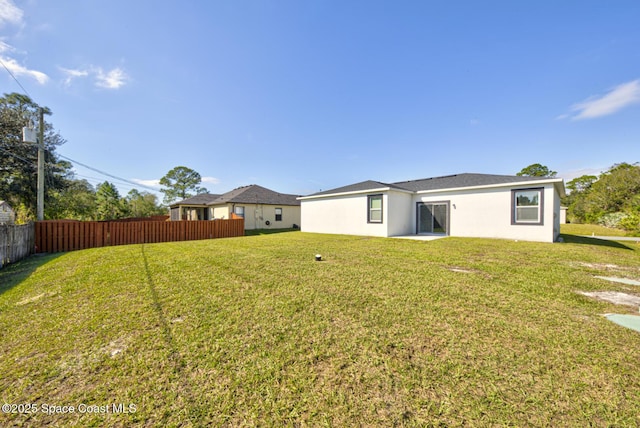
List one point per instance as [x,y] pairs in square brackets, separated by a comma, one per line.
[527,206]
[278,214]
[239,211]
[374,214]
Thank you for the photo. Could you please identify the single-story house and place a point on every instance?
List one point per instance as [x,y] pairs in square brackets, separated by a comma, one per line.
[260,207]
[469,205]
[7,215]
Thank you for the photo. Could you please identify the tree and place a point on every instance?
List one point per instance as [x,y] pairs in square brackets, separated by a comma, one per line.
[109,206]
[582,183]
[143,204]
[613,199]
[575,200]
[616,188]
[18,160]
[181,183]
[76,201]
[537,170]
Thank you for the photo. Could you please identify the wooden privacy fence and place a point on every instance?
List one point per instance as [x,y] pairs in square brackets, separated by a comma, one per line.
[16,242]
[53,236]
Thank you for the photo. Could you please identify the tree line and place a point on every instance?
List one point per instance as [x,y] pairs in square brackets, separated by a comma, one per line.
[611,199]
[67,196]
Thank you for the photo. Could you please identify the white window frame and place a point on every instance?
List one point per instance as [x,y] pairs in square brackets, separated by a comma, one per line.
[370,210]
[239,211]
[539,208]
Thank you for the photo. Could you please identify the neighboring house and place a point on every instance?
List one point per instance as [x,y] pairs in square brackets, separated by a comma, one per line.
[260,207]
[7,215]
[194,208]
[470,205]
[563,215]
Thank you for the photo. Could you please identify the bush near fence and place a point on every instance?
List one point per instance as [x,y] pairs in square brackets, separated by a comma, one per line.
[16,242]
[53,236]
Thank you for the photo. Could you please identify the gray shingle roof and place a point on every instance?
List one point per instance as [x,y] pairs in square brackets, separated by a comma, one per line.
[201,199]
[357,187]
[462,180]
[254,194]
[435,183]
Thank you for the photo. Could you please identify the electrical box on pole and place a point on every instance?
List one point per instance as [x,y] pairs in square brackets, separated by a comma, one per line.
[29,135]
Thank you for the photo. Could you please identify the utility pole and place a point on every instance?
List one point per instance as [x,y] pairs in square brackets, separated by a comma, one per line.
[40,199]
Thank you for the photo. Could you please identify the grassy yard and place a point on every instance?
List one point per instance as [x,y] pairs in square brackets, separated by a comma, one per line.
[252,331]
[591,229]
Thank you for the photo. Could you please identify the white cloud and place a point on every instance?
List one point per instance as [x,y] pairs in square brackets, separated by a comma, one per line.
[72,74]
[20,70]
[615,100]
[4,47]
[113,79]
[9,13]
[210,180]
[150,183]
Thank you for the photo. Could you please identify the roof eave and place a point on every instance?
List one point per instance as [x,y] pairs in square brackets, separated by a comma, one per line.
[557,182]
[354,192]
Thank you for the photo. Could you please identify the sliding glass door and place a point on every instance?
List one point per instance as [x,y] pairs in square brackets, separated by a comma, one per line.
[433,217]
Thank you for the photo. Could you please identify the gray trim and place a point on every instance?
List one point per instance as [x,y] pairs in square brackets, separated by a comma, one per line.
[541,207]
[381,208]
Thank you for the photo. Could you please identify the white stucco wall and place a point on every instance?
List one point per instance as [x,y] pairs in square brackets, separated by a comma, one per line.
[342,215]
[483,213]
[486,213]
[400,213]
[557,216]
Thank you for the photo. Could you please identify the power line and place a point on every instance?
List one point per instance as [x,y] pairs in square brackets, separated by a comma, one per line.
[133,183]
[122,181]
[96,181]
[16,156]
[14,78]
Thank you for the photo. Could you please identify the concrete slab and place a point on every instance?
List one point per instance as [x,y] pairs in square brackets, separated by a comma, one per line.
[625,320]
[420,237]
[614,297]
[626,281]
[614,238]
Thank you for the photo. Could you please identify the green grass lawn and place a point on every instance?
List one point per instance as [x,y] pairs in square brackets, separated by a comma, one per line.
[590,229]
[252,331]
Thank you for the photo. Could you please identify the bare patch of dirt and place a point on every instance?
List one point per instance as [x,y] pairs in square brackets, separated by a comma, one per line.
[34,298]
[605,266]
[613,297]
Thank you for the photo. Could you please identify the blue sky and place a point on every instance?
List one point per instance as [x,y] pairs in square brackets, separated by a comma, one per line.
[300,96]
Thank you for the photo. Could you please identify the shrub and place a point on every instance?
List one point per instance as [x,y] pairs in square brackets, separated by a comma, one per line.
[630,222]
[612,219]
